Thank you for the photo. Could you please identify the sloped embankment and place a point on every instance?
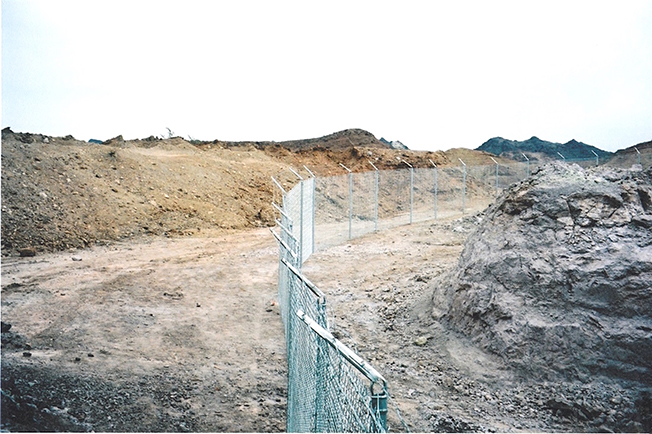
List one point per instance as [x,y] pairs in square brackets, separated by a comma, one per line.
[558,277]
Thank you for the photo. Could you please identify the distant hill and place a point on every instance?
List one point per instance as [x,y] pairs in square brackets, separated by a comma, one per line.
[513,148]
[337,141]
[395,144]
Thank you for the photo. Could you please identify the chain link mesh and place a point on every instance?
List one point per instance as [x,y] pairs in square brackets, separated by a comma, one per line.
[326,393]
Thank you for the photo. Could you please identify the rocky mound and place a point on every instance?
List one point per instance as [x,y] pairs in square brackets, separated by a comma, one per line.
[557,279]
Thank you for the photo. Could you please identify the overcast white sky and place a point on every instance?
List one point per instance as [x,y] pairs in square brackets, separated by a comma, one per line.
[434,75]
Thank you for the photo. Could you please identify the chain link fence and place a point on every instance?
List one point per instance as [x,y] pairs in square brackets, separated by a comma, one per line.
[330,388]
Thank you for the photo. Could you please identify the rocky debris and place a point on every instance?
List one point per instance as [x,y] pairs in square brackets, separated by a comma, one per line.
[27,252]
[117,140]
[339,140]
[556,279]
[12,340]
[36,398]
[5,327]
[445,422]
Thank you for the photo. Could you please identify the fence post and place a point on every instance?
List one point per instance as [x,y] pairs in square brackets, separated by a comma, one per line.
[435,187]
[350,200]
[376,198]
[411,193]
[528,165]
[496,177]
[411,188]
[379,407]
[314,197]
[300,215]
[463,186]
[301,225]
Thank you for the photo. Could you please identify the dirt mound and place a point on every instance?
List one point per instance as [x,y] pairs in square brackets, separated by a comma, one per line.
[60,193]
[629,156]
[339,140]
[558,277]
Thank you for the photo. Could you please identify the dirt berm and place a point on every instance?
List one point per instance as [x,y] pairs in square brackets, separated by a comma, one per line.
[557,280]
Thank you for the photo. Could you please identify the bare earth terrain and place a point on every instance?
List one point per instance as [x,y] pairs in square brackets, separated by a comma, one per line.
[161,335]
[139,294]
[379,293]
[185,335]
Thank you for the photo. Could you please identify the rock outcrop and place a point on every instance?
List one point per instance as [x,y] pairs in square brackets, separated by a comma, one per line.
[558,277]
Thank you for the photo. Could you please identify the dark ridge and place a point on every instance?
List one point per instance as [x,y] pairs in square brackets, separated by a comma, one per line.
[513,148]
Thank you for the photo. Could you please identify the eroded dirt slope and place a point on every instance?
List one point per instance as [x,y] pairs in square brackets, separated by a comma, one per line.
[60,193]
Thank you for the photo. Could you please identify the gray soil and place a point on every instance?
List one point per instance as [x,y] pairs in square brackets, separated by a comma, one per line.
[185,335]
[160,335]
[442,380]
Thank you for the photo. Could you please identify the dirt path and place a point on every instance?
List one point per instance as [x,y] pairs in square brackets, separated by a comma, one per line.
[158,335]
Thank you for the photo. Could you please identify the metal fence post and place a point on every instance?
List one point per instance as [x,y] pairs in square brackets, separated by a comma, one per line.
[435,187]
[463,186]
[496,177]
[411,188]
[301,225]
[379,407]
[314,217]
[350,205]
[376,197]
[350,200]
[300,215]
[597,158]
[411,192]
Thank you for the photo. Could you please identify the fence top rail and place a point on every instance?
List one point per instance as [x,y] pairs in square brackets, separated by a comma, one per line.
[305,280]
[365,368]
